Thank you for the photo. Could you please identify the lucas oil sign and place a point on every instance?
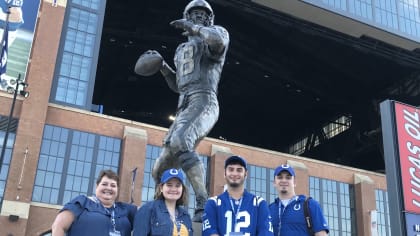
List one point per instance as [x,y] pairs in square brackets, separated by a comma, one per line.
[401,143]
[408,130]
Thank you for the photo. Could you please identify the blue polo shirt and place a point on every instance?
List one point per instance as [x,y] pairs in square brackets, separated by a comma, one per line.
[292,219]
[92,218]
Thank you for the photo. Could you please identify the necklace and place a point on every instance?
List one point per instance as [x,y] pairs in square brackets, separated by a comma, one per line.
[173,215]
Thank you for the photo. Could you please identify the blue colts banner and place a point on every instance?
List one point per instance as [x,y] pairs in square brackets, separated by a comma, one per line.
[17,26]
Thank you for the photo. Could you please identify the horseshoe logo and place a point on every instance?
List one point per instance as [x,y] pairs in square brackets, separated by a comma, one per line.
[173,171]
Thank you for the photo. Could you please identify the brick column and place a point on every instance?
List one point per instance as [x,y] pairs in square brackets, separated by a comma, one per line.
[133,155]
[217,168]
[301,178]
[217,180]
[364,191]
[33,113]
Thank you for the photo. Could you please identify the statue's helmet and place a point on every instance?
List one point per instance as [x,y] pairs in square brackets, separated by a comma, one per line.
[199,4]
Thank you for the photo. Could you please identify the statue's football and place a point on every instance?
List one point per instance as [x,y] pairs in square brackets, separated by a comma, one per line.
[148,63]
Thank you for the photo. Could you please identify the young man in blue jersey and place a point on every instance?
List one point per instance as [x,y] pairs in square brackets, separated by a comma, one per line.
[236,212]
[287,210]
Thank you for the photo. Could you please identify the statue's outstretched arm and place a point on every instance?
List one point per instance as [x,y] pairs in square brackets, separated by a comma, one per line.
[215,37]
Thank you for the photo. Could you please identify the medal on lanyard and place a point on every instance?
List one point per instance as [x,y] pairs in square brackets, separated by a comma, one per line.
[178,227]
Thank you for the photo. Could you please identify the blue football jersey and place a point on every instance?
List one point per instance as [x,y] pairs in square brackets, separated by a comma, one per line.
[248,216]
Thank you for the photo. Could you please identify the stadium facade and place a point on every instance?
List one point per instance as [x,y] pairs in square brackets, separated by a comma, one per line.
[56,144]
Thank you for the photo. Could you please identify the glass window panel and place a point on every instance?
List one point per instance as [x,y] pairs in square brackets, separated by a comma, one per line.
[51,164]
[76,183]
[382,208]
[101,157]
[395,16]
[42,162]
[48,179]
[91,141]
[87,170]
[102,144]
[81,153]
[61,150]
[75,158]
[56,181]
[69,182]
[46,193]
[45,146]
[67,196]
[115,159]
[48,132]
[54,148]
[56,134]
[36,195]
[54,196]
[76,62]
[108,158]
[334,197]
[40,178]
[79,168]
[79,138]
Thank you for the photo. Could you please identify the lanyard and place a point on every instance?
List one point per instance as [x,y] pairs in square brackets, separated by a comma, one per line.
[113,222]
[237,210]
[177,223]
[281,210]
[114,225]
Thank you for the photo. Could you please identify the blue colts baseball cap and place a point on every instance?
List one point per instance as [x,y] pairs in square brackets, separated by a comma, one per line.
[284,167]
[172,173]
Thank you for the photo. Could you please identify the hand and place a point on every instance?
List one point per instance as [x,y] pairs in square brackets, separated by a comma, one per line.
[152,52]
[189,27]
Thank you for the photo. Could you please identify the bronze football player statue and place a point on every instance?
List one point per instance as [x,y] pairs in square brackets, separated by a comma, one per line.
[198,63]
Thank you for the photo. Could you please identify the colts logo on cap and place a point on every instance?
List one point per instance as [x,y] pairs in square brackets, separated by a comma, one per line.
[173,171]
[286,166]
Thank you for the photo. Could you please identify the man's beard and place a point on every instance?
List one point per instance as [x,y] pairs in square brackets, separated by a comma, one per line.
[234,185]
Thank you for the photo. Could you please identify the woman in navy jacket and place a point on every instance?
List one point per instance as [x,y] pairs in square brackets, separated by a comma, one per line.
[165,215]
[96,215]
